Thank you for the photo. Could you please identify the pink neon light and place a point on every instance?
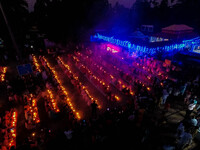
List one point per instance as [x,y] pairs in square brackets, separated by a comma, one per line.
[112,48]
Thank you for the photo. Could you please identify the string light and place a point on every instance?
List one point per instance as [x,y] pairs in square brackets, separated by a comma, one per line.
[133,47]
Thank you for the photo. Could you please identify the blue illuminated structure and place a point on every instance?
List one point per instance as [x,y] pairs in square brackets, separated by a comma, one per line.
[193,45]
[192,41]
[137,48]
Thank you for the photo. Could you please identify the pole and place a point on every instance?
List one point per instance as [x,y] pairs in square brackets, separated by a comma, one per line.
[10,31]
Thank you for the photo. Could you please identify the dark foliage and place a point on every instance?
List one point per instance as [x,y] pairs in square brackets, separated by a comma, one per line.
[68,21]
[16,12]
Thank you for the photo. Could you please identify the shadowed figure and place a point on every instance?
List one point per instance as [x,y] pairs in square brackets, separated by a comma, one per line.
[94,109]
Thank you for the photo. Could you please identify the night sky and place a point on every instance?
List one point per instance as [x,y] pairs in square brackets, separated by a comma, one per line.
[31,4]
[126,3]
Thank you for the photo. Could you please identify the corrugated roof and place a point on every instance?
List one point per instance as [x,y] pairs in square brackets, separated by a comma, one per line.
[176,36]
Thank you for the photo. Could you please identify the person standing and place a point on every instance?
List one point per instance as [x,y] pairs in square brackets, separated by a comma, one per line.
[180,130]
[44,75]
[183,89]
[165,95]
[94,109]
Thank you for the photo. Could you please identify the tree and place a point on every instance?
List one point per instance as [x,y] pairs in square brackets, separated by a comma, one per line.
[141,13]
[16,13]
[65,20]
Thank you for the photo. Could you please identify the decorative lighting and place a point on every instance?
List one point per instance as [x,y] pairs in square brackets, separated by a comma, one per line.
[32,108]
[35,62]
[3,71]
[11,123]
[52,101]
[134,47]
[76,78]
[100,68]
[77,115]
[100,81]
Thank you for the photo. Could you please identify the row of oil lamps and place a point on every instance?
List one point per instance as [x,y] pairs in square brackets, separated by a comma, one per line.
[64,91]
[100,81]
[84,88]
[2,73]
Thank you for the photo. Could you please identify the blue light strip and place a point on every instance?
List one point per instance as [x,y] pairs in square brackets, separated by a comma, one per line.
[192,41]
[137,48]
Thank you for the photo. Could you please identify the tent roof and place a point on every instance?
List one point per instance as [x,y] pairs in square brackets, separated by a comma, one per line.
[177,27]
[138,34]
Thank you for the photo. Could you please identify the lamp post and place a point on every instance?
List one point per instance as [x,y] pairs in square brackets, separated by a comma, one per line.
[10,31]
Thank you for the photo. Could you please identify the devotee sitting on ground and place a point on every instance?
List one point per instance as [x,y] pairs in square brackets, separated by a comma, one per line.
[185,140]
[193,121]
[190,108]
